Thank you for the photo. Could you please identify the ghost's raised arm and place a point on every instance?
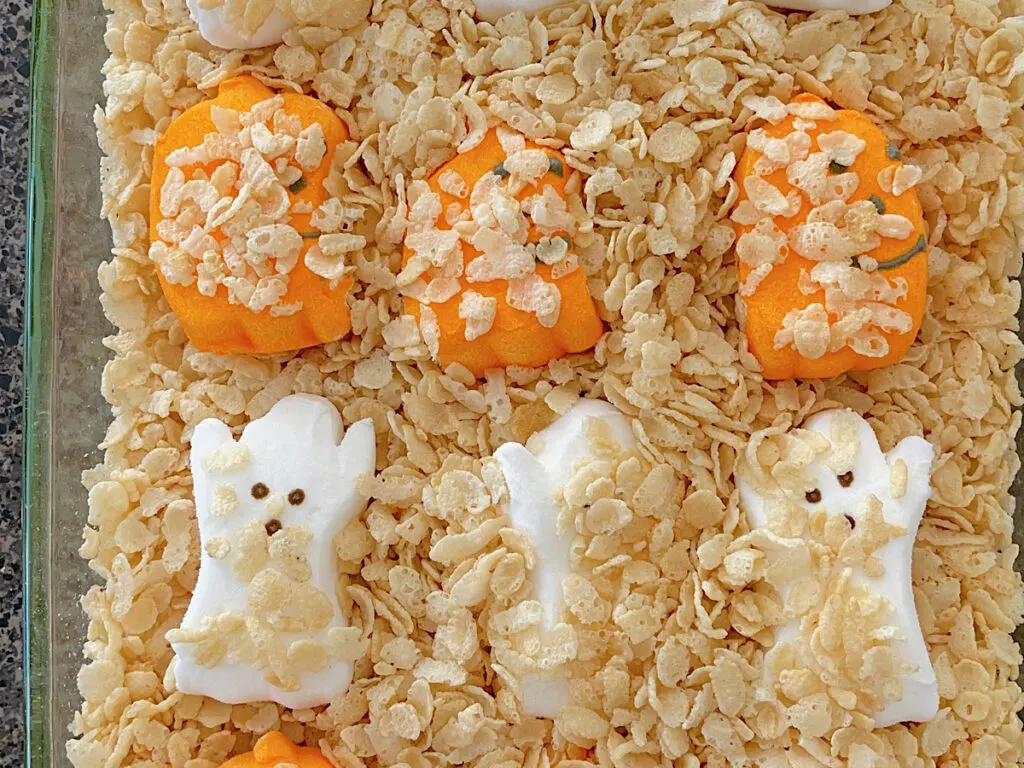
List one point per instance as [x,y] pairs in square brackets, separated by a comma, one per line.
[356,455]
[207,438]
[532,510]
[753,503]
[910,472]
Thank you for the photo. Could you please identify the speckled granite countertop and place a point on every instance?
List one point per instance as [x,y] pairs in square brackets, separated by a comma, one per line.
[15,34]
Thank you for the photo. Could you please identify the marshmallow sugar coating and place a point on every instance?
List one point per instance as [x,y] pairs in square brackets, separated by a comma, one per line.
[216,31]
[852,7]
[872,470]
[290,472]
[533,479]
[492,10]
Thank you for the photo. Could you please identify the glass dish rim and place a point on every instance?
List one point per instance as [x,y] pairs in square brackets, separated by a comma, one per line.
[37,352]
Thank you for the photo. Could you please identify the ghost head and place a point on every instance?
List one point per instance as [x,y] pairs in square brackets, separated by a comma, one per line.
[264,622]
[835,465]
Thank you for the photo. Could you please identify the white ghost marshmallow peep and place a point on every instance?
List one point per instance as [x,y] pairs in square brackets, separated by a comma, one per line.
[852,7]
[264,622]
[214,27]
[492,10]
[841,481]
[533,477]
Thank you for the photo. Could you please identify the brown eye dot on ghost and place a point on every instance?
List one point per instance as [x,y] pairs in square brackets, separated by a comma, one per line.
[846,479]
[259,491]
[296,497]
[813,496]
[273,526]
[851,521]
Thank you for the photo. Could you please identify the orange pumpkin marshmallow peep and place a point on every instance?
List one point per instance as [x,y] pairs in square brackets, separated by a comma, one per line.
[488,267]
[830,243]
[273,749]
[251,254]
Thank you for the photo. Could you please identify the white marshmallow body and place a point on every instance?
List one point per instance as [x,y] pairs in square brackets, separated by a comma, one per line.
[216,31]
[294,446]
[492,10]
[533,481]
[852,7]
[871,478]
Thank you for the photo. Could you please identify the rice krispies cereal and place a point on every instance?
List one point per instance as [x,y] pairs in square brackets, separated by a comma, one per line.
[666,642]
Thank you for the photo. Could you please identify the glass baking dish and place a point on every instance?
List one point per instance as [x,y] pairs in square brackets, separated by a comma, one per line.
[65,415]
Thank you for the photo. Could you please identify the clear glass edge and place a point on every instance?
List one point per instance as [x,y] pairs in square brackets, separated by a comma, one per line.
[37,358]
[38,350]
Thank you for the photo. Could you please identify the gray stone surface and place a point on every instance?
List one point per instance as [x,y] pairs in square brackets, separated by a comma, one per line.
[15,34]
